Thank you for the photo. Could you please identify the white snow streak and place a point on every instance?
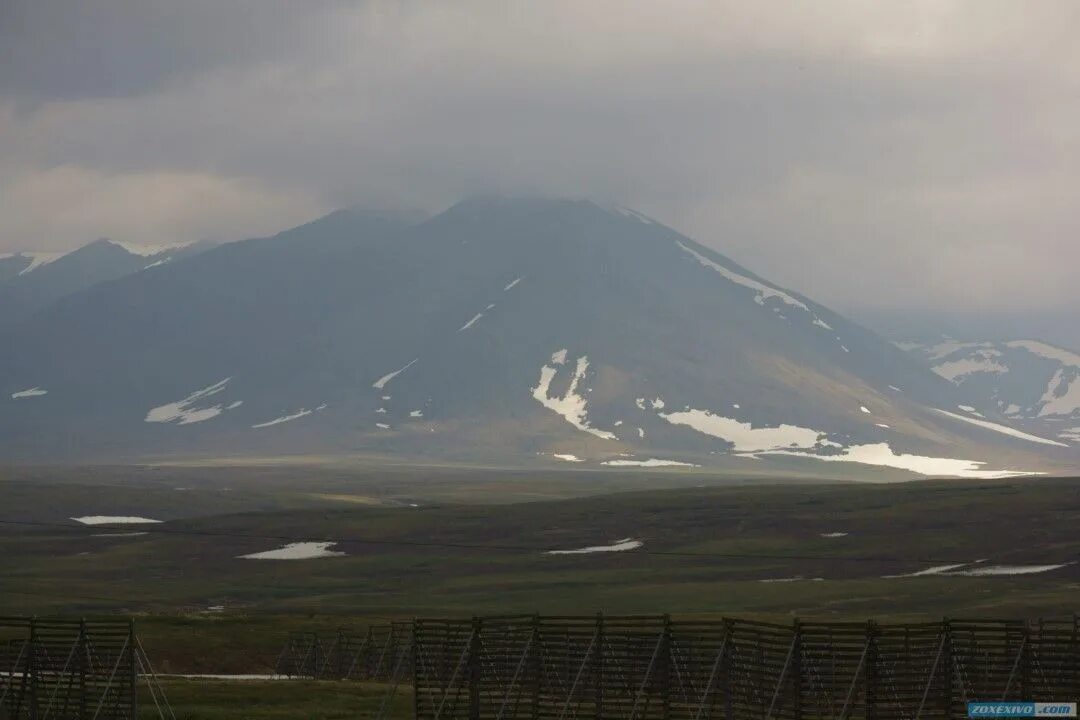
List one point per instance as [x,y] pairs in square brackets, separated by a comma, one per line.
[651,462]
[744,436]
[511,285]
[296,551]
[38,259]
[472,322]
[284,418]
[185,410]
[763,291]
[114,520]
[882,455]
[1008,570]
[31,392]
[936,570]
[158,263]
[381,382]
[567,457]
[617,546]
[1003,429]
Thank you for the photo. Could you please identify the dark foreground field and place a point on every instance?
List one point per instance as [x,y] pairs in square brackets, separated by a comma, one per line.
[478,546]
[276,700]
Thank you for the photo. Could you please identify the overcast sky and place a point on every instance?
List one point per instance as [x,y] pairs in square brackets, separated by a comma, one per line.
[877,156]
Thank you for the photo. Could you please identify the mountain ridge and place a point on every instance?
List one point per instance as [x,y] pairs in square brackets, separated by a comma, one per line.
[439,338]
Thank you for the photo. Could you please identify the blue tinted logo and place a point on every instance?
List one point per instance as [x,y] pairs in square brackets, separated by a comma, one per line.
[1001,709]
[1021,710]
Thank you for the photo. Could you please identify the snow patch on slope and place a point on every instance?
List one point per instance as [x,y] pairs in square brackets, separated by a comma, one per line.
[744,436]
[570,406]
[29,393]
[882,455]
[651,462]
[114,520]
[37,259]
[618,546]
[986,570]
[763,291]
[1062,396]
[158,263]
[381,382]
[147,250]
[303,412]
[472,322]
[296,551]
[187,410]
[1003,429]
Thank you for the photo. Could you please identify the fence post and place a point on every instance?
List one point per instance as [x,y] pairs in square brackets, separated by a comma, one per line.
[536,661]
[84,649]
[728,664]
[598,668]
[948,669]
[474,670]
[414,652]
[32,669]
[1025,660]
[871,670]
[133,676]
[665,667]
[797,668]
[1075,689]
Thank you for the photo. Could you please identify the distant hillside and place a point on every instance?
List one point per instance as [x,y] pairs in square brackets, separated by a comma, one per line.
[1028,381]
[30,282]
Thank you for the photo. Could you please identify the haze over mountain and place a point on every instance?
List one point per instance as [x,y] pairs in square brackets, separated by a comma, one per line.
[513,331]
[31,281]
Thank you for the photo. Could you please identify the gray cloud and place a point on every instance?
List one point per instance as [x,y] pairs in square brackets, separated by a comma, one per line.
[909,155]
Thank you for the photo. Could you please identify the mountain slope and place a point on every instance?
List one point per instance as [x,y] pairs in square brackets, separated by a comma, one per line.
[31,282]
[510,331]
[1031,382]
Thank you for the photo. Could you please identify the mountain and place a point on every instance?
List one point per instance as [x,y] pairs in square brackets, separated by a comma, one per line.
[1031,382]
[30,282]
[520,332]
[16,264]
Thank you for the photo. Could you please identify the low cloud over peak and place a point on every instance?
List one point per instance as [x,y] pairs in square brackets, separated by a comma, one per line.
[915,155]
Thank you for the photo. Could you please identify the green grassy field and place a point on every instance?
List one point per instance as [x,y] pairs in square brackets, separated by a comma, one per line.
[254,700]
[464,550]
